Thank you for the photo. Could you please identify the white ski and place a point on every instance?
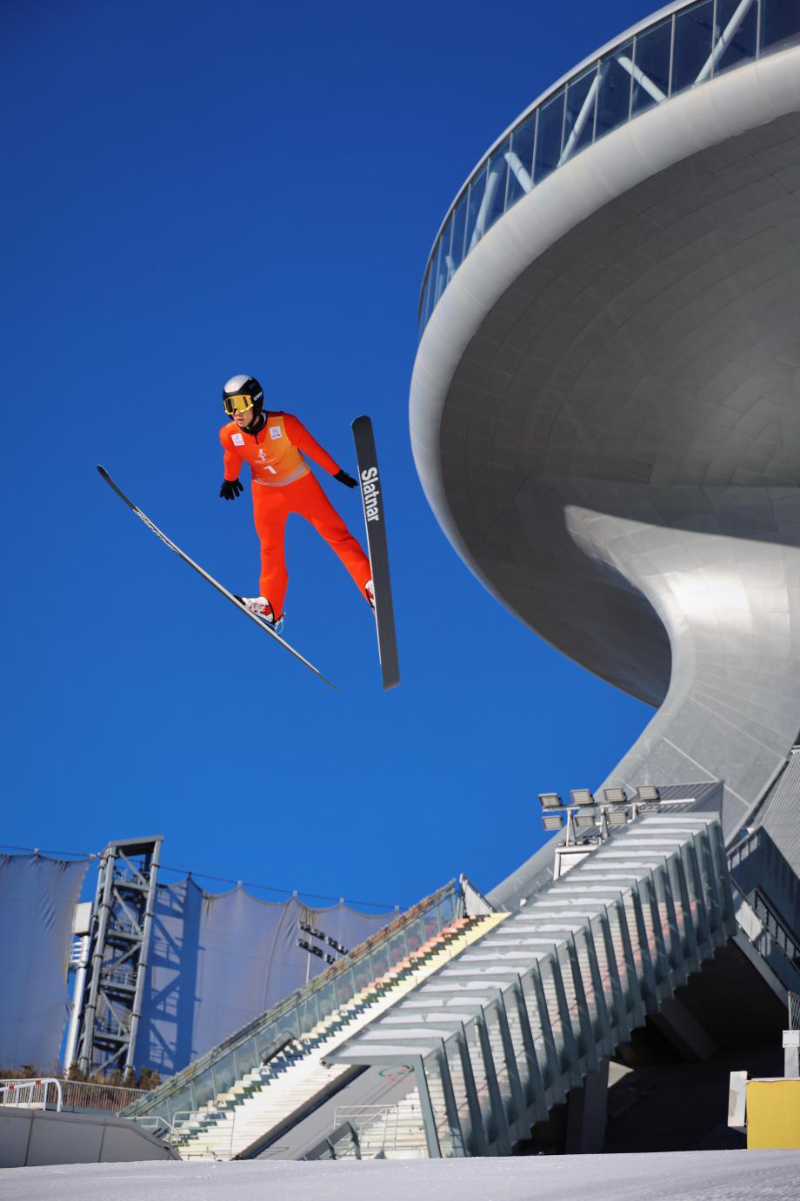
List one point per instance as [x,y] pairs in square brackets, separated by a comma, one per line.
[214,583]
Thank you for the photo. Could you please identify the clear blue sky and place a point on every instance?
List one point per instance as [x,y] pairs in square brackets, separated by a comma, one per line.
[198,189]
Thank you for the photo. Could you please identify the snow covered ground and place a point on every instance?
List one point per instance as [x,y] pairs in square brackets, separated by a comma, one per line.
[688,1176]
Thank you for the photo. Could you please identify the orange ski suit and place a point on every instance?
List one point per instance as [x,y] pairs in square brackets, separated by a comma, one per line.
[283,484]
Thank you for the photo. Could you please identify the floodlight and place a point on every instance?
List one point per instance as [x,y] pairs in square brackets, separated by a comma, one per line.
[550,800]
[583,821]
[617,817]
[552,821]
[582,796]
[647,792]
[614,796]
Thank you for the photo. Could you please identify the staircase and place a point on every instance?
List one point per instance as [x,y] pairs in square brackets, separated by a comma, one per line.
[508,1028]
[266,1099]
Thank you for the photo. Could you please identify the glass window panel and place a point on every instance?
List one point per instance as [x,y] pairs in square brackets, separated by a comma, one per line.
[548,137]
[780,23]
[415,934]
[448,908]
[651,54]
[520,161]
[476,193]
[397,948]
[203,1089]
[182,1101]
[225,1073]
[431,920]
[246,1058]
[308,1014]
[614,96]
[424,308]
[735,36]
[380,961]
[457,240]
[693,29]
[579,119]
[345,987]
[287,1023]
[445,266]
[265,1038]
[495,199]
[440,277]
[326,999]
[363,972]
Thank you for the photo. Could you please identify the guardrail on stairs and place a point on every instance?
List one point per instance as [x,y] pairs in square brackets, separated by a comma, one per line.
[218,1070]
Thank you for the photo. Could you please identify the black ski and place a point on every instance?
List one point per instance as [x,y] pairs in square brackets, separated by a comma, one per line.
[375,523]
[214,583]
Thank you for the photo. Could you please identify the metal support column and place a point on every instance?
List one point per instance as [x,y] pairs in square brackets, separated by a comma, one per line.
[121,928]
[147,926]
[428,1117]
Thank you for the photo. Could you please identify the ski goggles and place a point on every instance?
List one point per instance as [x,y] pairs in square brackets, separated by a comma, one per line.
[237,404]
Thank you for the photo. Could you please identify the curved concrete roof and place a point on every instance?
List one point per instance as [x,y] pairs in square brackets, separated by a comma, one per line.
[605,415]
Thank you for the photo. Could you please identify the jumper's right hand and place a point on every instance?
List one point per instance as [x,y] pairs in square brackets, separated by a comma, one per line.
[230,489]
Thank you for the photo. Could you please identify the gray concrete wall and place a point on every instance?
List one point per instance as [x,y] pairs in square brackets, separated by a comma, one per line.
[35,1137]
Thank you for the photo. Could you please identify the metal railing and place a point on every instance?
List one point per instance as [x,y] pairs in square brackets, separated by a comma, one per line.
[29,1094]
[758,843]
[664,55]
[380,1120]
[776,929]
[345,1138]
[243,1052]
[77,1094]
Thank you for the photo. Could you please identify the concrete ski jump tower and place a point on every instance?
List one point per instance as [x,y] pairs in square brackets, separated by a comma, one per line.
[605,405]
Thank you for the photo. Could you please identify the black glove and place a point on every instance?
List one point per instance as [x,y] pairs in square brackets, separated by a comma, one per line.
[230,489]
[346,479]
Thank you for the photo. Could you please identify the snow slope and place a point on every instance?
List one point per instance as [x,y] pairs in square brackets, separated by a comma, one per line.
[706,1175]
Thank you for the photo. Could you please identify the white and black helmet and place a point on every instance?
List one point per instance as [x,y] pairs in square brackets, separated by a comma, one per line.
[243,385]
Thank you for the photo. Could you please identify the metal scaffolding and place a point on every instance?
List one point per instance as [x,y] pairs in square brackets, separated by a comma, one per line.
[109,1004]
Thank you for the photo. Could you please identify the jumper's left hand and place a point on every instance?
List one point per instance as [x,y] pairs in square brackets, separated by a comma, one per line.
[346,479]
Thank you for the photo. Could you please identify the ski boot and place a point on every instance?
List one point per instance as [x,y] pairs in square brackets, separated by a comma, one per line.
[260,607]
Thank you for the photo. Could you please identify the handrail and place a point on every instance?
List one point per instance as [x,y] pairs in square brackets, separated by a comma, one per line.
[770,923]
[16,1087]
[296,1014]
[604,92]
[762,907]
[325,1148]
[84,1094]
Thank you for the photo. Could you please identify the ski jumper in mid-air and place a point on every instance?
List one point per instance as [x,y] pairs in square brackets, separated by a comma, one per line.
[274,445]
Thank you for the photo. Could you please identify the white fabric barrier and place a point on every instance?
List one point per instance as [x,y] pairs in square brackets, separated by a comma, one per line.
[217,961]
[37,900]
